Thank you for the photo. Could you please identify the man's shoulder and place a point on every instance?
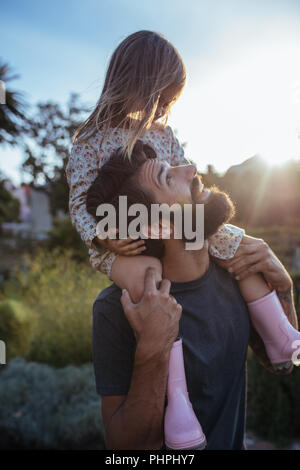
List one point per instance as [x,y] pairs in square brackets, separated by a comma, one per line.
[108,314]
[108,301]
[225,283]
[112,291]
[222,275]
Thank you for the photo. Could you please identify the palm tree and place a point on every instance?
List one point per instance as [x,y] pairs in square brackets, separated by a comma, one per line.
[12,117]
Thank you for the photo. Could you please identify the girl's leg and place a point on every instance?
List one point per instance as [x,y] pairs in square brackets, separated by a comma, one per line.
[253,287]
[269,320]
[128,272]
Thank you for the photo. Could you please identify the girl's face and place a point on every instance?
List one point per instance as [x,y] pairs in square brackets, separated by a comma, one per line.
[167,99]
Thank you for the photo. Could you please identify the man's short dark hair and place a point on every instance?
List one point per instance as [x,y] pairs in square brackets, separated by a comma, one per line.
[119,177]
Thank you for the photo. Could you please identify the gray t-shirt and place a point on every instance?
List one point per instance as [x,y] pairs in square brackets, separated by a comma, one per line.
[215,330]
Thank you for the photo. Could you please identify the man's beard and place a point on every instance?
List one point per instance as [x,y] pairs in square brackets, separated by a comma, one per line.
[218,208]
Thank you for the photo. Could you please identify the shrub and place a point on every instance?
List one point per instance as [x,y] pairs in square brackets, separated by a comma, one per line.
[17,327]
[273,403]
[60,292]
[46,408]
[64,236]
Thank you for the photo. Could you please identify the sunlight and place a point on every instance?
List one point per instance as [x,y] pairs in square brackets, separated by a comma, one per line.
[246,106]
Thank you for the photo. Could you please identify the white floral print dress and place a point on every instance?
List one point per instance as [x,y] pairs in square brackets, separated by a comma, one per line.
[82,169]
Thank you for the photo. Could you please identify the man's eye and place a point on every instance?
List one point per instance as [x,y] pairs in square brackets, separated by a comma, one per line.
[168,179]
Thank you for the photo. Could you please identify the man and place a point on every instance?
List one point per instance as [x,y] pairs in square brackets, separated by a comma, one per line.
[132,344]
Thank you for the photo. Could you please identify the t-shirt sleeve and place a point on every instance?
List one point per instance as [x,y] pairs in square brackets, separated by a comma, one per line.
[114,346]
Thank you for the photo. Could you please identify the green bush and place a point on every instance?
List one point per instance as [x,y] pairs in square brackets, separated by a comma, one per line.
[273,403]
[280,240]
[9,205]
[46,408]
[60,293]
[64,236]
[17,326]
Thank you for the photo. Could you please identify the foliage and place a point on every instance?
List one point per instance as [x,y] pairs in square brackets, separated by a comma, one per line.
[59,292]
[9,205]
[12,118]
[282,239]
[16,327]
[263,196]
[46,408]
[50,133]
[64,236]
[273,403]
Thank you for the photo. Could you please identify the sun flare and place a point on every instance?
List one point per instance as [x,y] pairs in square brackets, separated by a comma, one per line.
[248,106]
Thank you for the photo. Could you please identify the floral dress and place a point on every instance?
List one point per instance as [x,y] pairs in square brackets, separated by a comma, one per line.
[82,169]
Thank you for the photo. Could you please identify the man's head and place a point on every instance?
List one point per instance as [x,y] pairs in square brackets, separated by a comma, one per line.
[147,180]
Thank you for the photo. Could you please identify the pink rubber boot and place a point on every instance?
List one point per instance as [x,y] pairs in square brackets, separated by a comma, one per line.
[281,340]
[182,428]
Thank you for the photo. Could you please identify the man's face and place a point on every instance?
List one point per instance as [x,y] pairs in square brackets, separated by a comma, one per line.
[170,184]
[182,185]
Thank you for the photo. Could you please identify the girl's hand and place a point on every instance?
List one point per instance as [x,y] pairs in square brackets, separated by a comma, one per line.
[254,256]
[125,247]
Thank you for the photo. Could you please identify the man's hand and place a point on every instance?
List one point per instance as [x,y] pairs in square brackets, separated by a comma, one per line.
[254,256]
[155,319]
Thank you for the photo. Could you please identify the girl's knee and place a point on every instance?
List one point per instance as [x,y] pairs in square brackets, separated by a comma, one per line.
[129,273]
[137,281]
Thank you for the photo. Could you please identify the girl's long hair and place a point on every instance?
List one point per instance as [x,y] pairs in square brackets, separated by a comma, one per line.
[143,65]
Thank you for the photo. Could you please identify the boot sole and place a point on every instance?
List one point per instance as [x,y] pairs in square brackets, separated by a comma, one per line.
[200,446]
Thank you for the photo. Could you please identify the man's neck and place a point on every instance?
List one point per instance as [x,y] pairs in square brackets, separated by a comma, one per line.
[180,265]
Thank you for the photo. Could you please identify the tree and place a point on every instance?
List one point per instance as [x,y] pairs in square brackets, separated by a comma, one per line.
[9,205]
[12,118]
[47,148]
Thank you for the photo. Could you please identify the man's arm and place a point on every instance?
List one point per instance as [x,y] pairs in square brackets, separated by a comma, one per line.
[135,421]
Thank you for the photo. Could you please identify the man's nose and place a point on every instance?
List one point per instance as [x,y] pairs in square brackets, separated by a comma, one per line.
[191,172]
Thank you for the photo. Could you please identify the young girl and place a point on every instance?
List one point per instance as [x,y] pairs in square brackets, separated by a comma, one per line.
[145,77]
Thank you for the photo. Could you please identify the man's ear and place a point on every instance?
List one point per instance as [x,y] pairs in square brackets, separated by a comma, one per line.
[158,231]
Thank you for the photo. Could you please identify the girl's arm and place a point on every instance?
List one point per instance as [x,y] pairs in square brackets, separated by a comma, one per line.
[81,171]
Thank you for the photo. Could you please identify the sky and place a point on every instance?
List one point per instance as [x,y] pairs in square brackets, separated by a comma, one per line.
[242,95]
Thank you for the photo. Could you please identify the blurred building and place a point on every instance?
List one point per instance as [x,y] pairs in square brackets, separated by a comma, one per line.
[35,216]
